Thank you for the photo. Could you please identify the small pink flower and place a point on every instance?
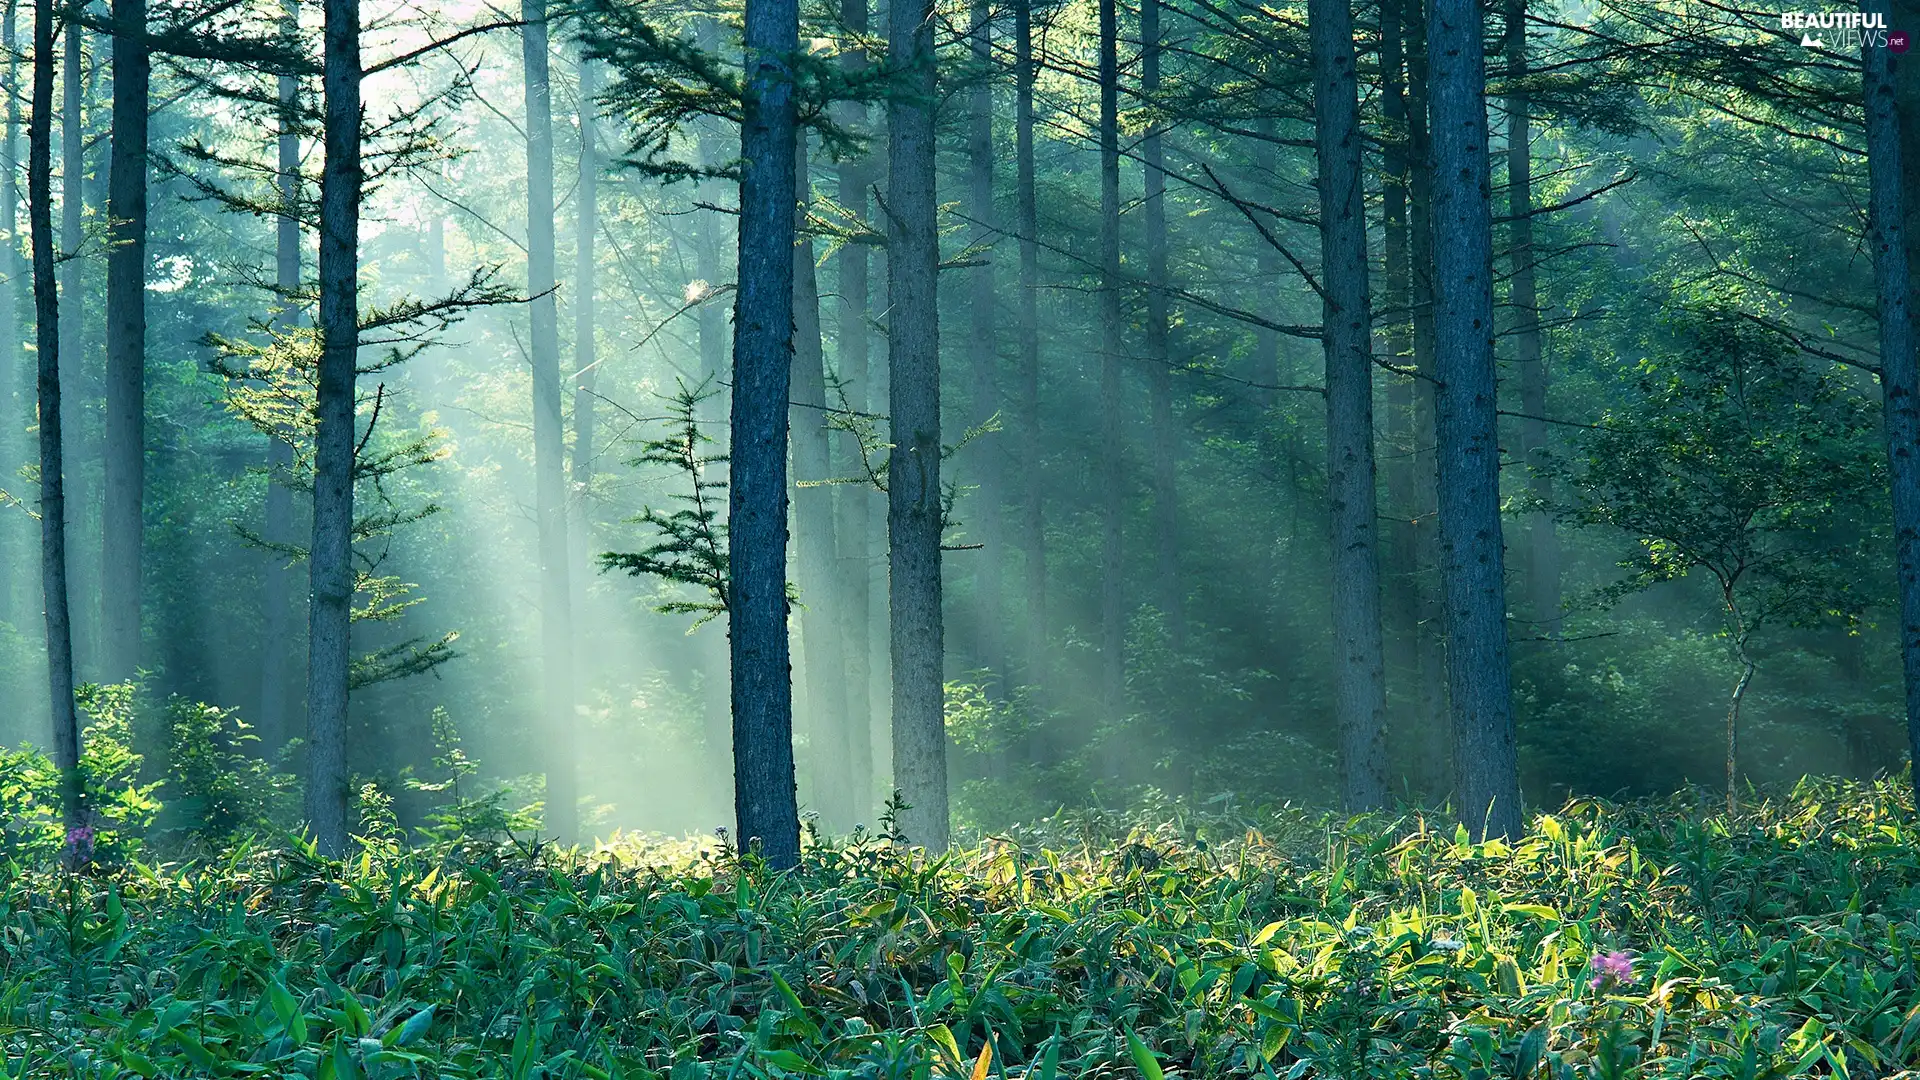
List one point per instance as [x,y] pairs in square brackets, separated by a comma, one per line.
[1610,968]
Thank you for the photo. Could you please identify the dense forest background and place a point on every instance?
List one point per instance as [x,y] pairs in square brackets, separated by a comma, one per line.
[1137,576]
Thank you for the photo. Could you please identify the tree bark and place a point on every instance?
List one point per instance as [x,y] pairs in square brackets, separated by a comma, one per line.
[277,596]
[913,471]
[1033,501]
[1404,493]
[1543,543]
[73,170]
[122,528]
[549,436]
[53,507]
[983,349]
[854,502]
[1166,499]
[1347,340]
[1469,479]
[13,402]
[764,797]
[329,558]
[1112,430]
[1888,221]
[833,737]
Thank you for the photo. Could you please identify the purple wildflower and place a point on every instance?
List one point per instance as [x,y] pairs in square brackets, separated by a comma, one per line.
[1611,968]
[80,844]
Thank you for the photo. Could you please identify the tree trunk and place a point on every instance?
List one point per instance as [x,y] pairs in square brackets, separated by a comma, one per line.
[53,506]
[1166,500]
[586,227]
[14,417]
[1404,491]
[983,349]
[1899,379]
[813,511]
[855,501]
[1469,460]
[1033,503]
[1112,431]
[122,527]
[764,800]
[549,437]
[1347,340]
[73,169]
[913,473]
[329,558]
[277,596]
[1543,544]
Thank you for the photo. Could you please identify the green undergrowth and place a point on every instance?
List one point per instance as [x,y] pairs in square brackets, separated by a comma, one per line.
[1778,942]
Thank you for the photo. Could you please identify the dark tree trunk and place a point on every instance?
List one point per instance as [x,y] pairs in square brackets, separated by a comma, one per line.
[330,554]
[121,527]
[14,415]
[586,227]
[53,504]
[1899,381]
[1112,431]
[764,798]
[855,501]
[1347,340]
[277,597]
[1469,459]
[983,349]
[549,437]
[1033,504]
[913,484]
[1543,544]
[1404,492]
[73,375]
[1166,500]
[813,512]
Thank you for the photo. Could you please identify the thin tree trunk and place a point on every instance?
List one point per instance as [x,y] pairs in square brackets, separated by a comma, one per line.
[277,596]
[1899,379]
[122,527]
[813,511]
[1112,431]
[1403,487]
[13,403]
[913,473]
[53,506]
[73,168]
[764,798]
[855,501]
[329,558]
[1543,544]
[1166,500]
[586,226]
[1033,502]
[549,436]
[983,349]
[1469,460]
[1347,339]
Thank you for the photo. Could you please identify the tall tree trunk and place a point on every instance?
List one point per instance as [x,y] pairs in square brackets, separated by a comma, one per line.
[1469,459]
[762,368]
[73,169]
[855,501]
[122,527]
[586,227]
[913,473]
[1347,339]
[277,597]
[549,436]
[1433,712]
[813,512]
[1543,544]
[53,505]
[329,558]
[1403,486]
[983,348]
[1033,503]
[13,402]
[1166,502]
[1899,380]
[1112,431]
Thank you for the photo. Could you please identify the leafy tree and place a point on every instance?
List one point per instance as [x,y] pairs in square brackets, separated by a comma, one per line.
[1738,458]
